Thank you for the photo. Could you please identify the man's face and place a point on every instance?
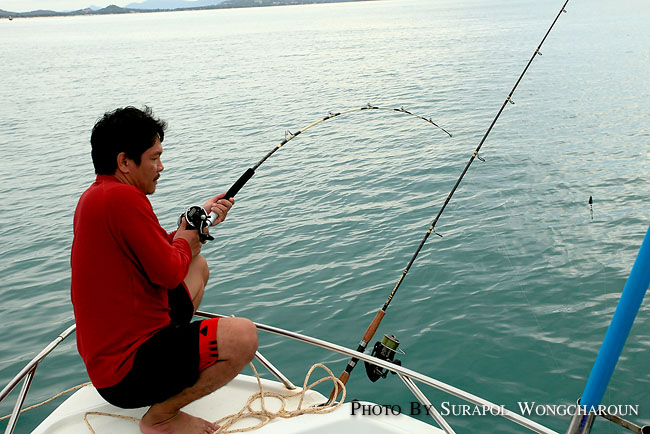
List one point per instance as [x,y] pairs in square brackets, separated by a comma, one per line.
[145,176]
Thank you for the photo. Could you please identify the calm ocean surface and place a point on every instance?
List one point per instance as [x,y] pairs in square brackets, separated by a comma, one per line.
[511,304]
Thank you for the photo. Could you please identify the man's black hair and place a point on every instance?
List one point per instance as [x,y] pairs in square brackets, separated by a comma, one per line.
[129,130]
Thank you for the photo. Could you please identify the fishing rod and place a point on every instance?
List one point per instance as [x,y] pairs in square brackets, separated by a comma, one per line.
[389,344]
[199,219]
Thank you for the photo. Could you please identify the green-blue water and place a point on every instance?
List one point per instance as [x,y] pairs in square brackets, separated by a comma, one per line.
[511,304]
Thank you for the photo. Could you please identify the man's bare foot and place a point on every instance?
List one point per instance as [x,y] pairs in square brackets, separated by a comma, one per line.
[180,423]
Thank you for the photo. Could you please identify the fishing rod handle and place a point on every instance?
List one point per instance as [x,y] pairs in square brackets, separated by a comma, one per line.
[374,325]
[232,191]
[367,336]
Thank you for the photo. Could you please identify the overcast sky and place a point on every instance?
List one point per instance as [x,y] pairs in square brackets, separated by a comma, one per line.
[59,5]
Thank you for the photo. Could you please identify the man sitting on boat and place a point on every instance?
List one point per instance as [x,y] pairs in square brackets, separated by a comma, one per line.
[135,287]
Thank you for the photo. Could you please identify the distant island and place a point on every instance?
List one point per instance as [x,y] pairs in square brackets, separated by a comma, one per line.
[112,9]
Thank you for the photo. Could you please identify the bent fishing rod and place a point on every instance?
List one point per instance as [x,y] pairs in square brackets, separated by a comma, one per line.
[198,218]
[391,343]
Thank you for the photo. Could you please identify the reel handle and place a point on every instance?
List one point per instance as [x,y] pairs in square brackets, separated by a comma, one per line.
[196,217]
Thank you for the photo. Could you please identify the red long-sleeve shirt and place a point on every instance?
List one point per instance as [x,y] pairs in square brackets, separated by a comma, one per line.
[122,262]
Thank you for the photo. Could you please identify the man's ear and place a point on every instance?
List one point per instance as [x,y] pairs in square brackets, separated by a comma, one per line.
[123,163]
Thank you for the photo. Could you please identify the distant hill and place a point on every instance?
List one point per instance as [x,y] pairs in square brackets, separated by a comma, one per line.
[171,4]
[37,13]
[112,9]
[165,5]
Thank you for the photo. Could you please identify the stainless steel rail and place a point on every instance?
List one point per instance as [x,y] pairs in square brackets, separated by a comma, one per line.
[430,409]
[28,374]
[275,371]
[487,405]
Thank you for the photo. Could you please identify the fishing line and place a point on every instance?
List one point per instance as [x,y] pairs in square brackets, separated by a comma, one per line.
[372,328]
[197,218]
[502,248]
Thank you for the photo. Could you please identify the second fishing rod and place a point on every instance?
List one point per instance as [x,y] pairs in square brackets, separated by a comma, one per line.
[388,345]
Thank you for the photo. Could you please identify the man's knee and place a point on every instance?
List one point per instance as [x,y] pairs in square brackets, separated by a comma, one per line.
[237,340]
[248,339]
[246,333]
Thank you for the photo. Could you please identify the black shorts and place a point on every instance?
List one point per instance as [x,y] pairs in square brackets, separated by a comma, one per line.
[165,364]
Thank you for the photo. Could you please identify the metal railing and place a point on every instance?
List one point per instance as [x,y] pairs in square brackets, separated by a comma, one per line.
[406,375]
[28,374]
[404,372]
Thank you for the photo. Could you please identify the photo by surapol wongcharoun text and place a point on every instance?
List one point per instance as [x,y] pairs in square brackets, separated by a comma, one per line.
[525,409]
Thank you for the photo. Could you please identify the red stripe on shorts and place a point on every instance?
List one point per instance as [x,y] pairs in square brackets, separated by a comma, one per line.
[208,350]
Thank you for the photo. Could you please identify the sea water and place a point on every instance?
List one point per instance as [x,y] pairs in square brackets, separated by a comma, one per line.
[511,303]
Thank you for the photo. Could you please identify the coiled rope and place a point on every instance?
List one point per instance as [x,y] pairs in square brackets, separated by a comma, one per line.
[266,416]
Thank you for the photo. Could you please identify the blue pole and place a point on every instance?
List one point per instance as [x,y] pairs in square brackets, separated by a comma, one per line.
[628,306]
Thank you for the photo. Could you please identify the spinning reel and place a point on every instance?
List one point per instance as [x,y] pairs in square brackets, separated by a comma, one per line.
[384,350]
[197,218]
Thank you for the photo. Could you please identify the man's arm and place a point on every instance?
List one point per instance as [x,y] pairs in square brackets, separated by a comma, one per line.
[136,228]
[189,235]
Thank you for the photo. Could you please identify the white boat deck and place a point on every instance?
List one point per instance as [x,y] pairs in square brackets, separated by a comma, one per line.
[69,417]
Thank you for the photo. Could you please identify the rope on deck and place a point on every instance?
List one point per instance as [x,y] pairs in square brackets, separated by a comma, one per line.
[264,415]
[247,412]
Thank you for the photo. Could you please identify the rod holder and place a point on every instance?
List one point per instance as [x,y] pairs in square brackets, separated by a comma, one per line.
[581,422]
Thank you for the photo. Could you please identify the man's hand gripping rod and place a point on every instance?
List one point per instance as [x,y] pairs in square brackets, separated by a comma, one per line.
[198,218]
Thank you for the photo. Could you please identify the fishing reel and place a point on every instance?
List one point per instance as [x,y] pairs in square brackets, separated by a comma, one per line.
[197,218]
[384,350]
